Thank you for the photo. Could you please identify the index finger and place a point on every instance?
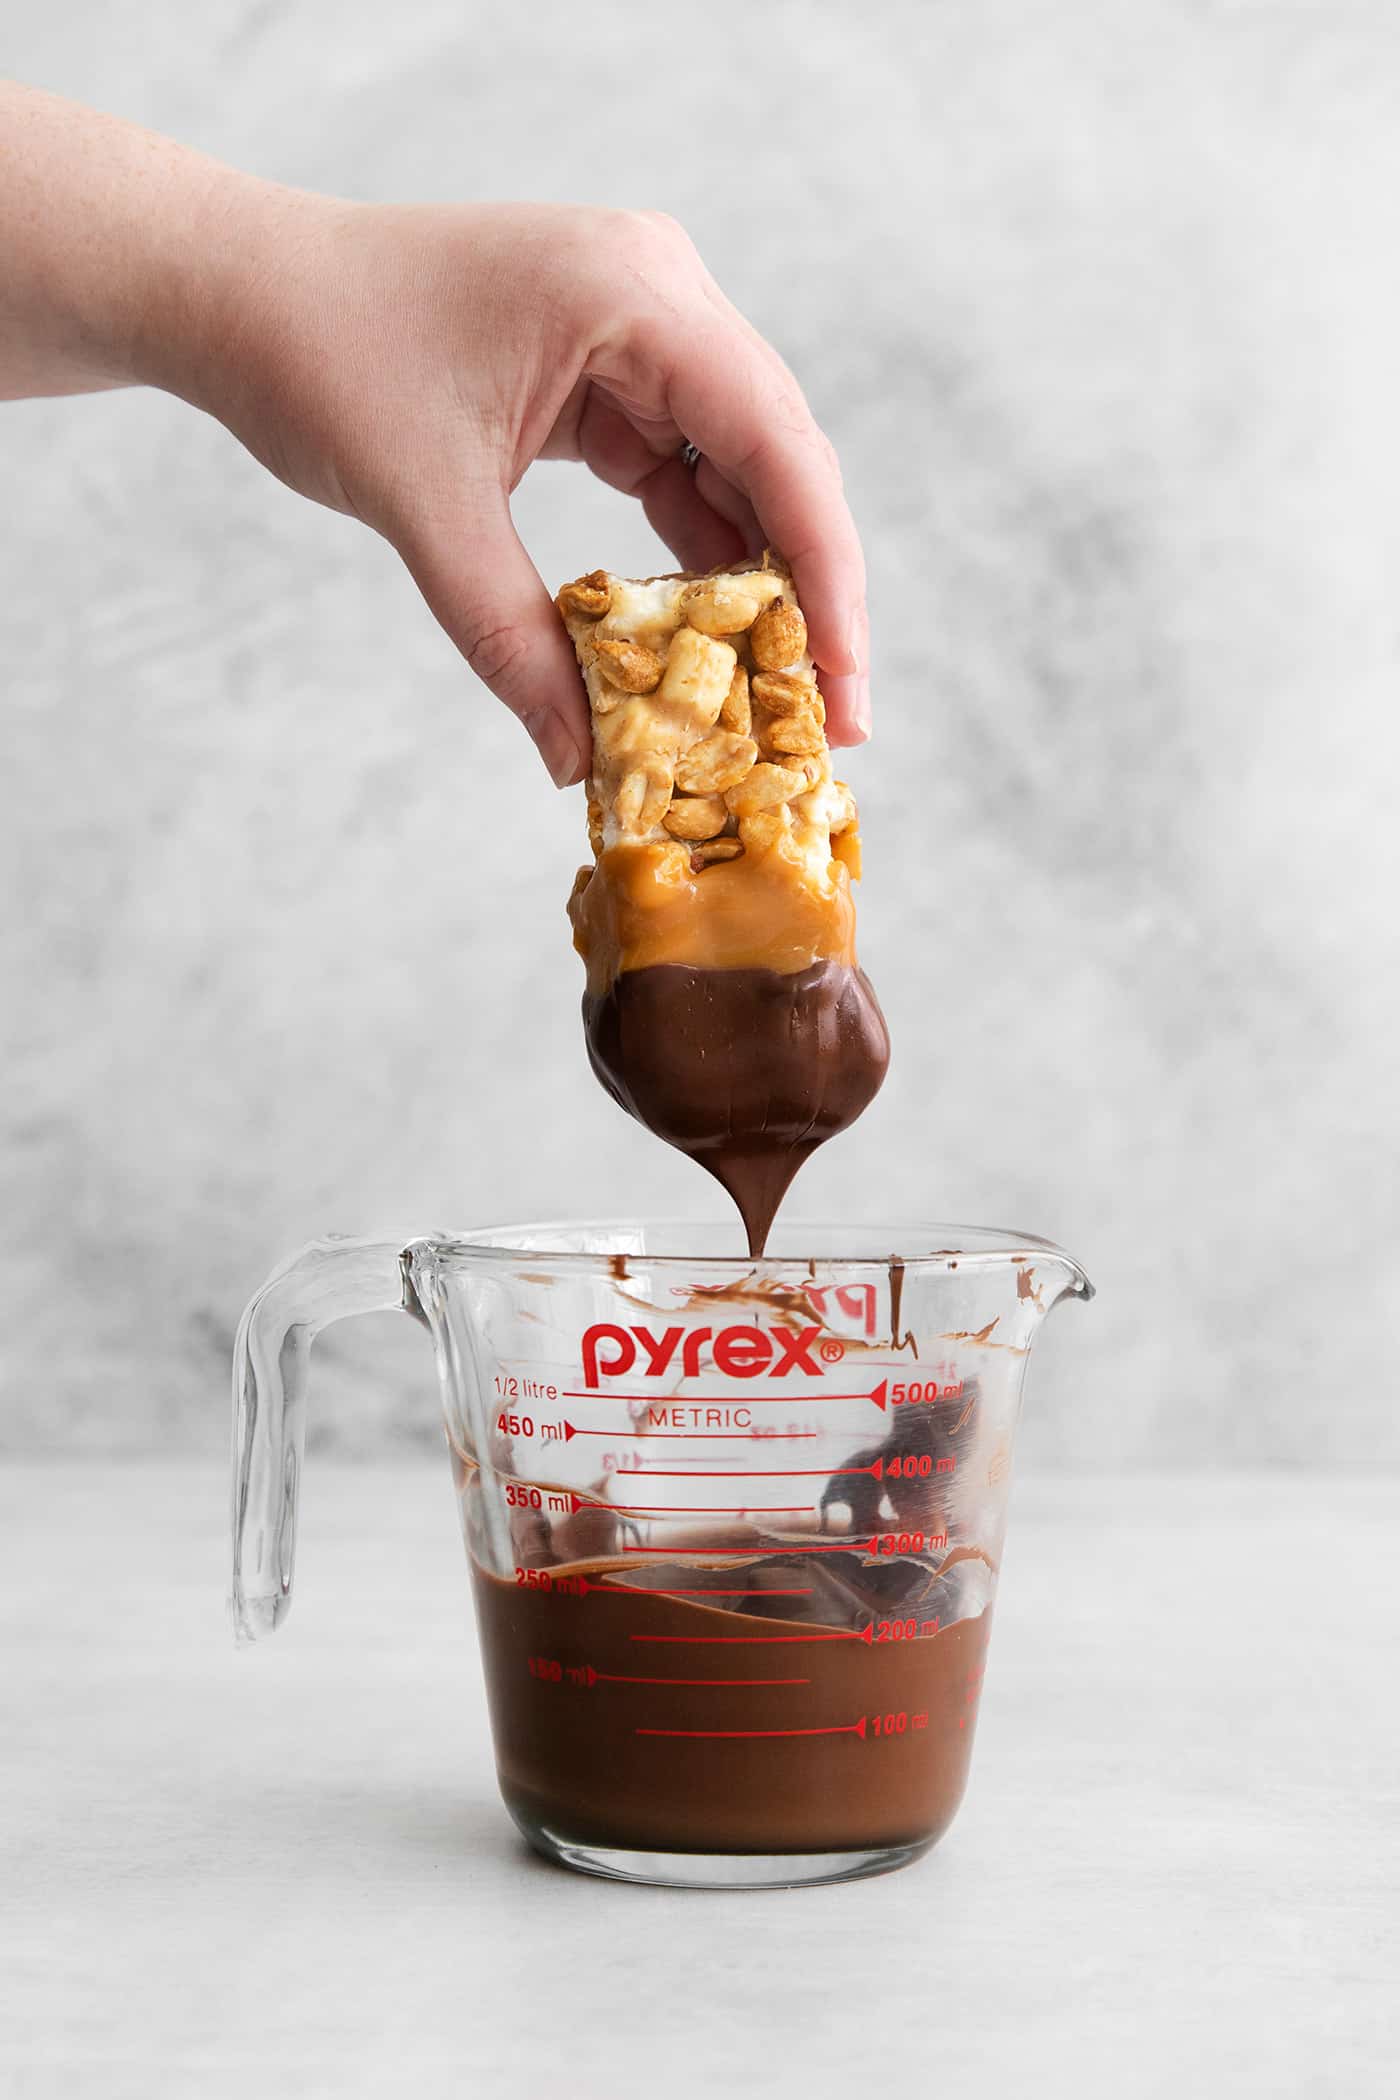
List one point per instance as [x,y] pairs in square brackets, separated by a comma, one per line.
[740,406]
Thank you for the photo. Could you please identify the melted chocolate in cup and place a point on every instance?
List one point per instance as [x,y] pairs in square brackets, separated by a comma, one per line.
[647,1761]
[746,1071]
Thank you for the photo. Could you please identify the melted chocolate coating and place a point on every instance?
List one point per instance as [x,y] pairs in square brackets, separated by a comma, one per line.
[745,1071]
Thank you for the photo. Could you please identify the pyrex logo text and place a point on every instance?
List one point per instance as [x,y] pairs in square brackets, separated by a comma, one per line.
[737,1352]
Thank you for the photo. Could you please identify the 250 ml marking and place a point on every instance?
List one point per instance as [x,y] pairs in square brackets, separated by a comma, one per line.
[581,1586]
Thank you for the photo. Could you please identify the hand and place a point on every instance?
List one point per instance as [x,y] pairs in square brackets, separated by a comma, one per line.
[406,364]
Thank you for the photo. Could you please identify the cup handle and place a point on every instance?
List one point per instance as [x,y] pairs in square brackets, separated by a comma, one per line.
[329,1280]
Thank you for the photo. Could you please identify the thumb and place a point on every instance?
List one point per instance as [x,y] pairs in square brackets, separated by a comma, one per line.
[482,587]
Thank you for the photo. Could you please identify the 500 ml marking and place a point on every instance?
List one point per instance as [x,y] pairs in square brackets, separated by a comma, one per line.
[726,1418]
[509,1387]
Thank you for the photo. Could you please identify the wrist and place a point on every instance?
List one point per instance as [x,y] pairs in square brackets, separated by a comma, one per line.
[116,246]
[204,269]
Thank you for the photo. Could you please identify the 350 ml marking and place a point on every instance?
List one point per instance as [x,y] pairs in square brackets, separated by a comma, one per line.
[520,1495]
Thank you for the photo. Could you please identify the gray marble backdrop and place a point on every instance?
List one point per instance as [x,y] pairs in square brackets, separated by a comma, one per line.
[1099,302]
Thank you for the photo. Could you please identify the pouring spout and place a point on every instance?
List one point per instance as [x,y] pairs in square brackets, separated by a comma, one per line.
[1074,1282]
[1046,1275]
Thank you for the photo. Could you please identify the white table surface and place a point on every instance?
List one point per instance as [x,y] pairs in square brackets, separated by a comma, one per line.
[286,1870]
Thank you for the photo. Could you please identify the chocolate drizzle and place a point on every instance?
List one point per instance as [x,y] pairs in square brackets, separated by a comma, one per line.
[746,1071]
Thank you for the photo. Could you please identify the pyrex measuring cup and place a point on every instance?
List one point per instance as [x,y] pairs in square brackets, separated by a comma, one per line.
[733,1526]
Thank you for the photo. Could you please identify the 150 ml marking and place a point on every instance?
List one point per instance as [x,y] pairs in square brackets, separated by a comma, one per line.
[550,1671]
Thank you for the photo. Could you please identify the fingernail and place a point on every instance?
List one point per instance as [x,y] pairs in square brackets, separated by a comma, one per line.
[566,767]
[562,757]
[860,707]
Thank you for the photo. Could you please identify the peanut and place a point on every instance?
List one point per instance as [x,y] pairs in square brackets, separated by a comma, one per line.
[719,761]
[643,796]
[730,604]
[589,597]
[696,816]
[778,636]
[784,692]
[629,665]
[736,714]
[764,787]
[799,735]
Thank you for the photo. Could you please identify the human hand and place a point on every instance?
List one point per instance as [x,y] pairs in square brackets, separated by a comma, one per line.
[406,364]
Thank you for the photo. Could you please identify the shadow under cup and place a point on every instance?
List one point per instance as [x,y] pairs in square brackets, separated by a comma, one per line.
[733,1524]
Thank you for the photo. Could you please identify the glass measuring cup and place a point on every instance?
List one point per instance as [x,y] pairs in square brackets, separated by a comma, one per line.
[733,1525]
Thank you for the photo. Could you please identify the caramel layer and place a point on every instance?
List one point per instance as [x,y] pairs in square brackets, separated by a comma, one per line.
[644,905]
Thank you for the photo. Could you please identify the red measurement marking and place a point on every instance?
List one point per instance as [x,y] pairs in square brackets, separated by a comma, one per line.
[757,1640]
[703,1509]
[750,1734]
[876,1472]
[607,1589]
[878,1394]
[693,1436]
[747,1552]
[611,1677]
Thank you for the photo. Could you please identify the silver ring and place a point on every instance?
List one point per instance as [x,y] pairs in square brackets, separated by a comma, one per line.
[690,455]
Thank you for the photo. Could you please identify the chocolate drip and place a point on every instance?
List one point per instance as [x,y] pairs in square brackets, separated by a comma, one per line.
[745,1071]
